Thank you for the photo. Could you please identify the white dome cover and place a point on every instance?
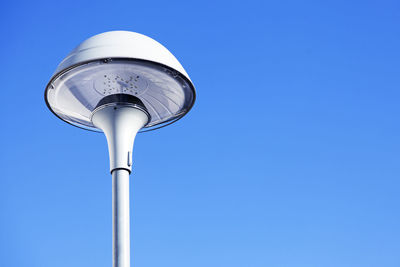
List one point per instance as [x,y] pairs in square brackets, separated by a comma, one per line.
[121,44]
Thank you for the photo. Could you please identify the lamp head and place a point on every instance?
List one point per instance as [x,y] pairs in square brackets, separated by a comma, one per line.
[120,65]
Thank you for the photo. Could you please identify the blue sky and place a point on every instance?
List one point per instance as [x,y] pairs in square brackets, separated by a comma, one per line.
[289,158]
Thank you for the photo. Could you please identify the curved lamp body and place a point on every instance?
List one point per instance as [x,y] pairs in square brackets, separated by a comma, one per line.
[120,62]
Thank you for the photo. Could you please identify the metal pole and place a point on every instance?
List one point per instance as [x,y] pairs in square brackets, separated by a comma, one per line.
[120,210]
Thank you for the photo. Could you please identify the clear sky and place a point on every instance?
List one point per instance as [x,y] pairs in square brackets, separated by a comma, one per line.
[289,158]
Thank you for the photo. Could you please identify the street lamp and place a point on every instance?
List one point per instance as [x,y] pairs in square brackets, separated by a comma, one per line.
[120,83]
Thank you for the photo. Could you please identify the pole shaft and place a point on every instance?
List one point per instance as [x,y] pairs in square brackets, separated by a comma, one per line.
[120,210]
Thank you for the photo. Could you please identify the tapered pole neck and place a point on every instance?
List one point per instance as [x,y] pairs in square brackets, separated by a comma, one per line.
[120,123]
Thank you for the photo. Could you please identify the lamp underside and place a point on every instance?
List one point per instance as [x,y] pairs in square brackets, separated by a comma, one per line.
[74,93]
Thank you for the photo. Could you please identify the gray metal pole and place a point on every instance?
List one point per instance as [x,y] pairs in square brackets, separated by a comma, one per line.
[120,210]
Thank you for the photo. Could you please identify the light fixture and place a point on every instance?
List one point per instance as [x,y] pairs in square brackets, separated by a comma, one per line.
[120,83]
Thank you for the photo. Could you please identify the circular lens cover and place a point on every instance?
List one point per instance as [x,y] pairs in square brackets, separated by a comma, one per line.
[74,93]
